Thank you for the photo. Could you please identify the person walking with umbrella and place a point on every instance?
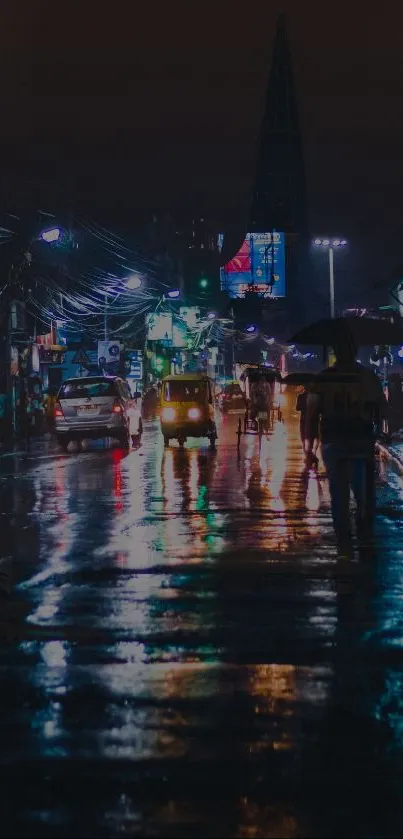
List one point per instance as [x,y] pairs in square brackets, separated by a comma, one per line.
[349,403]
[309,434]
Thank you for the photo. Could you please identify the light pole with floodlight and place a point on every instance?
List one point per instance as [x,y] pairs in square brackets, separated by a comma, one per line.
[132,283]
[331,245]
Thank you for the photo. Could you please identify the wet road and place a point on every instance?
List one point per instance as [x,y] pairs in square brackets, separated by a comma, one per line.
[183,654]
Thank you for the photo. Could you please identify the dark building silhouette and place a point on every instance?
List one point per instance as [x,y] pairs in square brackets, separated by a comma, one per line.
[279,195]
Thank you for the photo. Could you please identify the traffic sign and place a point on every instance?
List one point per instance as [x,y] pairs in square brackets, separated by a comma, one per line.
[81,358]
[136,370]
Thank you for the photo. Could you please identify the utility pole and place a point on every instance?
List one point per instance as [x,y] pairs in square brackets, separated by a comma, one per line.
[233,343]
[331,281]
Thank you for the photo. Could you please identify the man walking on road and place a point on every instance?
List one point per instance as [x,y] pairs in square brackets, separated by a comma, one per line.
[310,443]
[348,400]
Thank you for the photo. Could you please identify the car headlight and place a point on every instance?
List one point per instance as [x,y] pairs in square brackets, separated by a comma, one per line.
[194,413]
[168,414]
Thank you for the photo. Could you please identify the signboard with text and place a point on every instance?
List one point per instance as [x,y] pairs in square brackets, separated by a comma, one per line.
[258,266]
[14,361]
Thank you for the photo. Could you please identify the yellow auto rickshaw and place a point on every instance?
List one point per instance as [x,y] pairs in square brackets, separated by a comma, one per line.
[187,408]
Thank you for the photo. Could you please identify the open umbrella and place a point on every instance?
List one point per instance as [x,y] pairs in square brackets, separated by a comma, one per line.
[365,332]
[298,378]
[254,372]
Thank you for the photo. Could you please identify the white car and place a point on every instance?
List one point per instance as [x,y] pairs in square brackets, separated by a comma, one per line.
[97,406]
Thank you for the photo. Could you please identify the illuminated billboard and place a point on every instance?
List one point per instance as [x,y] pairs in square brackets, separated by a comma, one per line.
[159,327]
[179,333]
[259,265]
[191,315]
[167,329]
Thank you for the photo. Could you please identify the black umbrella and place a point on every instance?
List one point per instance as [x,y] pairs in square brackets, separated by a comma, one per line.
[271,374]
[298,378]
[364,331]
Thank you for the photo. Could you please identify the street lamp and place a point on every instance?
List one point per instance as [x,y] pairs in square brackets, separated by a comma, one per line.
[51,235]
[133,282]
[173,294]
[331,245]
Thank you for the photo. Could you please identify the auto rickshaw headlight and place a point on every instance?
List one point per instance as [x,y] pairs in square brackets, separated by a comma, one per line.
[168,414]
[194,413]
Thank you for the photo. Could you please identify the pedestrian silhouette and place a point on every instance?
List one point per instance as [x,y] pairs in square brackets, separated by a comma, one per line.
[348,400]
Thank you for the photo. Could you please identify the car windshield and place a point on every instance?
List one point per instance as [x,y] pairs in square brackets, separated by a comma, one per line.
[187,391]
[86,389]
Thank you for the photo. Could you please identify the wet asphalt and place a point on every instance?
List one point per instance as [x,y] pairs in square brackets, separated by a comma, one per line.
[183,653]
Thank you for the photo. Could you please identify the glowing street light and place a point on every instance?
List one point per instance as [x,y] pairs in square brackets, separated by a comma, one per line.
[173,294]
[133,282]
[51,236]
[331,245]
[251,329]
[211,316]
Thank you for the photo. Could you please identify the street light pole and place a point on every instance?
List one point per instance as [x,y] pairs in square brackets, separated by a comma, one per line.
[331,246]
[331,281]
[132,283]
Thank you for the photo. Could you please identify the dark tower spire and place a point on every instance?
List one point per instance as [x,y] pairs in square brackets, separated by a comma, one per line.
[279,194]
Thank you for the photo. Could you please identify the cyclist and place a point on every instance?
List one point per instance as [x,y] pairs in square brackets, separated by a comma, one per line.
[261,396]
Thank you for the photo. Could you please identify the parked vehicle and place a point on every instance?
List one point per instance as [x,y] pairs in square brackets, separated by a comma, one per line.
[231,400]
[187,408]
[94,407]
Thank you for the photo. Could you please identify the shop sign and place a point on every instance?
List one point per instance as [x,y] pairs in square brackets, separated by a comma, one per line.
[35,359]
[51,356]
[14,365]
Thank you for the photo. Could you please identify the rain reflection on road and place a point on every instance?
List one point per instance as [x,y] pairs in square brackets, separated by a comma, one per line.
[184,654]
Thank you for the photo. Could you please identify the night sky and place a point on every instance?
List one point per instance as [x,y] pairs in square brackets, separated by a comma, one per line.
[159,104]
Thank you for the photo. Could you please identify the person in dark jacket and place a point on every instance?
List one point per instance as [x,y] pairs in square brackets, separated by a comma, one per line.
[349,401]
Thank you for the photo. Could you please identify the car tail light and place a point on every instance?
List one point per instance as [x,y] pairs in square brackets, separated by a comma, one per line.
[117,408]
[58,412]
